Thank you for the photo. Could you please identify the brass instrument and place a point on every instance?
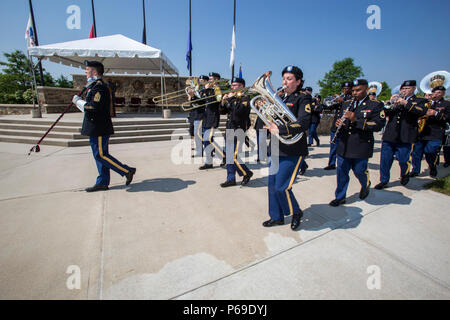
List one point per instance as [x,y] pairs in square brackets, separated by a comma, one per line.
[329,101]
[270,108]
[423,119]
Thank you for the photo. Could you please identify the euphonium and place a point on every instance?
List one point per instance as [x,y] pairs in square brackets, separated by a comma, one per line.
[270,107]
[423,119]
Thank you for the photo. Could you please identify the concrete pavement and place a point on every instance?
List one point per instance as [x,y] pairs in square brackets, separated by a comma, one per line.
[175,234]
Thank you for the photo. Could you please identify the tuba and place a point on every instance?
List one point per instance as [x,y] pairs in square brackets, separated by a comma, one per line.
[270,108]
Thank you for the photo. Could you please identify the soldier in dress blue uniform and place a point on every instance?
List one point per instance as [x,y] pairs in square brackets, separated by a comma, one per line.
[432,135]
[211,120]
[98,126]
[345,96]
[316,111]
[362,118]
[401,132]
[237,106]
[290,156]
[196,116]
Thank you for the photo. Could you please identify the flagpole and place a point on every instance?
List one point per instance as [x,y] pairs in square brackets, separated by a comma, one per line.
[93,16]
[234,29]
[36,42]
[190,39]
[144,35]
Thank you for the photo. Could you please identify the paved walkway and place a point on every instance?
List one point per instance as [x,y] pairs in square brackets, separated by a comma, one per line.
[175,234]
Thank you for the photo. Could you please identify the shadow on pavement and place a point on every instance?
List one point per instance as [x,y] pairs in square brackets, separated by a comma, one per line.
[158,185]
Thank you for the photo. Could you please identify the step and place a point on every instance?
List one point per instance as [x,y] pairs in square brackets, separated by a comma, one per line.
[39,134]
[73,129]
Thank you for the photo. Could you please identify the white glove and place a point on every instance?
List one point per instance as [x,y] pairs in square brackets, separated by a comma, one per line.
[75,99]
[78,102]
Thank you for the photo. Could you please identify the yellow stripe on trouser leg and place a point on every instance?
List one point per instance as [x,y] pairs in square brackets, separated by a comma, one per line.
[215,145]
[237,162]
[198,130]
[408,170]
[368,178]
[291,211]
[106,158]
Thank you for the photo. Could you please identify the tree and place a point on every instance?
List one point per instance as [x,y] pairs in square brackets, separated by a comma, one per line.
[343,70]
[16,80]
[385,93]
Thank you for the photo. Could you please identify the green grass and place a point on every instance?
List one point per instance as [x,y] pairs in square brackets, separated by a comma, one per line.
[441,185]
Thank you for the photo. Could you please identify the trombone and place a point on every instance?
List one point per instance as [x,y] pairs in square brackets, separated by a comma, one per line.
[192,84]
[218,95]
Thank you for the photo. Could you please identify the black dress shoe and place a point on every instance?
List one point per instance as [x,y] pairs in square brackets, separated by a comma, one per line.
[97,187]
[381,185]
[295,223]
[330,167]
[364,192]
[433,172]
[404,180]
[130,175]
[337,202]
[413,174]
[271,223]
[228,183]
[206,166]
[247,178]
[302,171]
[318,144]
[309,144]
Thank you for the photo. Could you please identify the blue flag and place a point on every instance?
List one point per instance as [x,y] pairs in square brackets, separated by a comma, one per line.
[240,71]
[189,52]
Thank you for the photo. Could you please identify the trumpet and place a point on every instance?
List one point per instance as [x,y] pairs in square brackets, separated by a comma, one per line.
[329,101]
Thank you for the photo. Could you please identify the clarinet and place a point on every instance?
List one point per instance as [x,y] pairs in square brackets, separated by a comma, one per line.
[333,141]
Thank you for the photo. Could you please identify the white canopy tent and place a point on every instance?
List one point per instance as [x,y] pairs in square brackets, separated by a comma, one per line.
[118,54]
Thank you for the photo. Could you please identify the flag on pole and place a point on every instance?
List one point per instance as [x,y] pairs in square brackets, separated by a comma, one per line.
[92,33]
[240,71]
[29,33]
[233,47]
[189,52]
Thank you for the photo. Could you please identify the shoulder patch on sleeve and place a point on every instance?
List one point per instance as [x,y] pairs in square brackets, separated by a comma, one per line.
[244,103]
[382,114]
[97,97]
[308,108]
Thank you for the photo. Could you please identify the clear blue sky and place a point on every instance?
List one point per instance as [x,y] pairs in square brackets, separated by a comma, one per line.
[413,39]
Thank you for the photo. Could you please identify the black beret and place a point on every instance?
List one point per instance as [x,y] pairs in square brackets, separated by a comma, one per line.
[438,88]
[347,84]
[408,83]
[239,80]
[214,74]
[203,77]
[296,71]
[317,96]
[95,64]
[360,82]
[372,93]
[308,89]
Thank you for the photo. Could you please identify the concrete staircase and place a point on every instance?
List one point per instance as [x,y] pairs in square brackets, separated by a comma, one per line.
[68,133]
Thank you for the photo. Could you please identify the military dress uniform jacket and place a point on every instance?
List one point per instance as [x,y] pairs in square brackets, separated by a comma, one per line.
[435,125]
[211,115]
[356,139]
[316,110]
[339,110]
[97,118]
[197,113]
[402,126]
[300,106]
[238,110]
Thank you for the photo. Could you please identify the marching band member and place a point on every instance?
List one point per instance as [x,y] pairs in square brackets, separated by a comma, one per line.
[361,119]
[432,135]
[316,110]
[373,96]
[290,156]
[400,133]
[237,107]
[98,126]
[345,96]
[196,116]
[211,119]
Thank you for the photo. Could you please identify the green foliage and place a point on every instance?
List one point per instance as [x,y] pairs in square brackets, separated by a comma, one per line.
[385,93]
[16,79]
[343,70]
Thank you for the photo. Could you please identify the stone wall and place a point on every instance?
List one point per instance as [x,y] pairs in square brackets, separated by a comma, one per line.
[12,109]
[55,100]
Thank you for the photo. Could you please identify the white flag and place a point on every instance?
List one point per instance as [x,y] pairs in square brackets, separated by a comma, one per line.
[29,34]
[233,47]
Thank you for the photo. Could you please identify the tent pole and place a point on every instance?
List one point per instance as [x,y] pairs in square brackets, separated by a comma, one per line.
[162,92]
